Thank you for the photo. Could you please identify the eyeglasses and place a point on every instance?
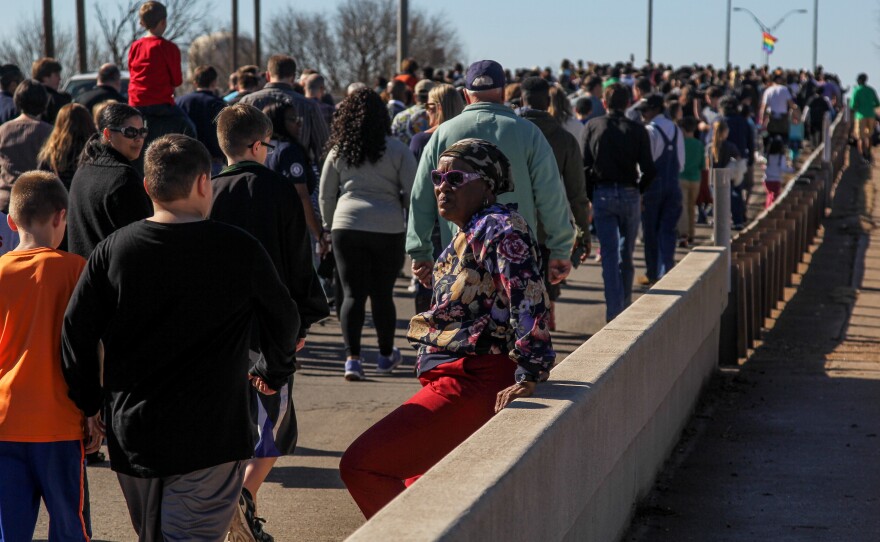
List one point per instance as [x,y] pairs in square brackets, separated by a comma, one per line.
[454,178]
[130,132]
[270,148]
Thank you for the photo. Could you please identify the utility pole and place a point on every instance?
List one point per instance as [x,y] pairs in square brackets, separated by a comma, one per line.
[234,35]
[727,38]
[815,35]
[402,32]
[48,30]
[81,52]
[257,55]
[650,27]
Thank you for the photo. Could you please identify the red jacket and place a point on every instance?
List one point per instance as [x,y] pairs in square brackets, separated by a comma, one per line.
[154,68]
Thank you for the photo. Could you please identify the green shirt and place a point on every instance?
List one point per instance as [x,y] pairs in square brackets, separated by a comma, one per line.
[863,102]
[538,189]
[694,160]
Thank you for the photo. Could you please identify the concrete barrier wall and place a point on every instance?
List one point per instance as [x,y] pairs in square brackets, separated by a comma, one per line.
[570,463]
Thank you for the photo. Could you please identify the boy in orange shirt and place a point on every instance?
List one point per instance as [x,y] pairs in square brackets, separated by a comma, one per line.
[41,431]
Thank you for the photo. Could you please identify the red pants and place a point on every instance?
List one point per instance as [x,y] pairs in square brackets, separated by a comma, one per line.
[772,188]
[456,399]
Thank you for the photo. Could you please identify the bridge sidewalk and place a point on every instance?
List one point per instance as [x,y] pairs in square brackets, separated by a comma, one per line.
[784,448]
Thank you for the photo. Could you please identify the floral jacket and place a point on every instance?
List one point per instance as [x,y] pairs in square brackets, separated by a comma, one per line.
[410,122]
[489,296]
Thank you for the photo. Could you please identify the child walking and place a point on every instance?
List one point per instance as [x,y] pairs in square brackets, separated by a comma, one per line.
[776,166]
[42,452]
[689,179]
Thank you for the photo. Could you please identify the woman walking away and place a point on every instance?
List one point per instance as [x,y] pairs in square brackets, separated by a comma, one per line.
[721,152]
[483,343]
[60,154]
[364,189]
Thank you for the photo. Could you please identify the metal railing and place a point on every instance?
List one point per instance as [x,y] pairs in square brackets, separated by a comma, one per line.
[765,255]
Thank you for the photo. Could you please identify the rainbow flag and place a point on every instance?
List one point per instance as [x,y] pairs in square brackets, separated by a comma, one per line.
[769,42]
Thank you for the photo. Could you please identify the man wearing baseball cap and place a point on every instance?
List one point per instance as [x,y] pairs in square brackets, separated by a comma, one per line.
[413,119]
[539,192]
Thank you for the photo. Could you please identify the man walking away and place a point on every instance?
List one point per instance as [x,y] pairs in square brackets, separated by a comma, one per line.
[202,107]
[175,367]
[661,203]
[414,119]
[616,151]
[536,101]
[281,72]
[108,87]
[538,193]
[48,72]
[10,77]
[864,104]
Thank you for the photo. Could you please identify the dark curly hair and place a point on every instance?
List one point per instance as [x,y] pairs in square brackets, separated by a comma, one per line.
[359,128]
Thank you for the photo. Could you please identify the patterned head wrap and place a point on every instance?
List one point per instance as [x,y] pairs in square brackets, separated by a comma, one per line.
[487,160]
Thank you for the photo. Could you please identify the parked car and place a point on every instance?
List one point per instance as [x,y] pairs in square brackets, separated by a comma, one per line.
[82,82]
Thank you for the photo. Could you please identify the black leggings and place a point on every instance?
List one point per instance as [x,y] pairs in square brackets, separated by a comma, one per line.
[368,265]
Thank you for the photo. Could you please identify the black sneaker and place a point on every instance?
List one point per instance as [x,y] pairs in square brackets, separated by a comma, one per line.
[246,525]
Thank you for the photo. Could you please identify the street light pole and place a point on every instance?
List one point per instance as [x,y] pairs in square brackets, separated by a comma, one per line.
[257,54]
[815,35]
[234,35]
[402,32]
[650,27]
[48,30]
[727,38]
[769,29]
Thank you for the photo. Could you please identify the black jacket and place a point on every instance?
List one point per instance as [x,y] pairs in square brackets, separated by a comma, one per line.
[203,106]
[266,204]
[56,101]
[106,193]
[100,93]
[570,163]
[615,150]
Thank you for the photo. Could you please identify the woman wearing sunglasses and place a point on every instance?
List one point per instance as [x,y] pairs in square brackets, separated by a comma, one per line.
[107,192]
[365,186]
[483,342]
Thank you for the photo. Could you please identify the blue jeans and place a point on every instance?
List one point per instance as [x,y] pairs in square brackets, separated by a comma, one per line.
[616,217]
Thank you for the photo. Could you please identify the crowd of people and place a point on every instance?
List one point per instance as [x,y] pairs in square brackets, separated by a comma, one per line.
[162,258]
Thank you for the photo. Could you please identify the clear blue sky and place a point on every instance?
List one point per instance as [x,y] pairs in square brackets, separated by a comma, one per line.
[526,33]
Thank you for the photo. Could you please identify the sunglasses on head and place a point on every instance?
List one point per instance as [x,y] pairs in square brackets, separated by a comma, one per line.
[130,132]
[454,178]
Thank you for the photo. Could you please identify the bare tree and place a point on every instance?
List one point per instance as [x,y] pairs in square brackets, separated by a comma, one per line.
[186,20]
[365,33]
[24,45]
[358,42]
[307,37]
[118,31]
[215,49]
[432,42]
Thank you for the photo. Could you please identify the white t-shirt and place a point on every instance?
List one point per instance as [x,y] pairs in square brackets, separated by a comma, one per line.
[776,98]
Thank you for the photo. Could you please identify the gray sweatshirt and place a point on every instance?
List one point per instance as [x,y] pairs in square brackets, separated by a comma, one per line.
[371,197]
